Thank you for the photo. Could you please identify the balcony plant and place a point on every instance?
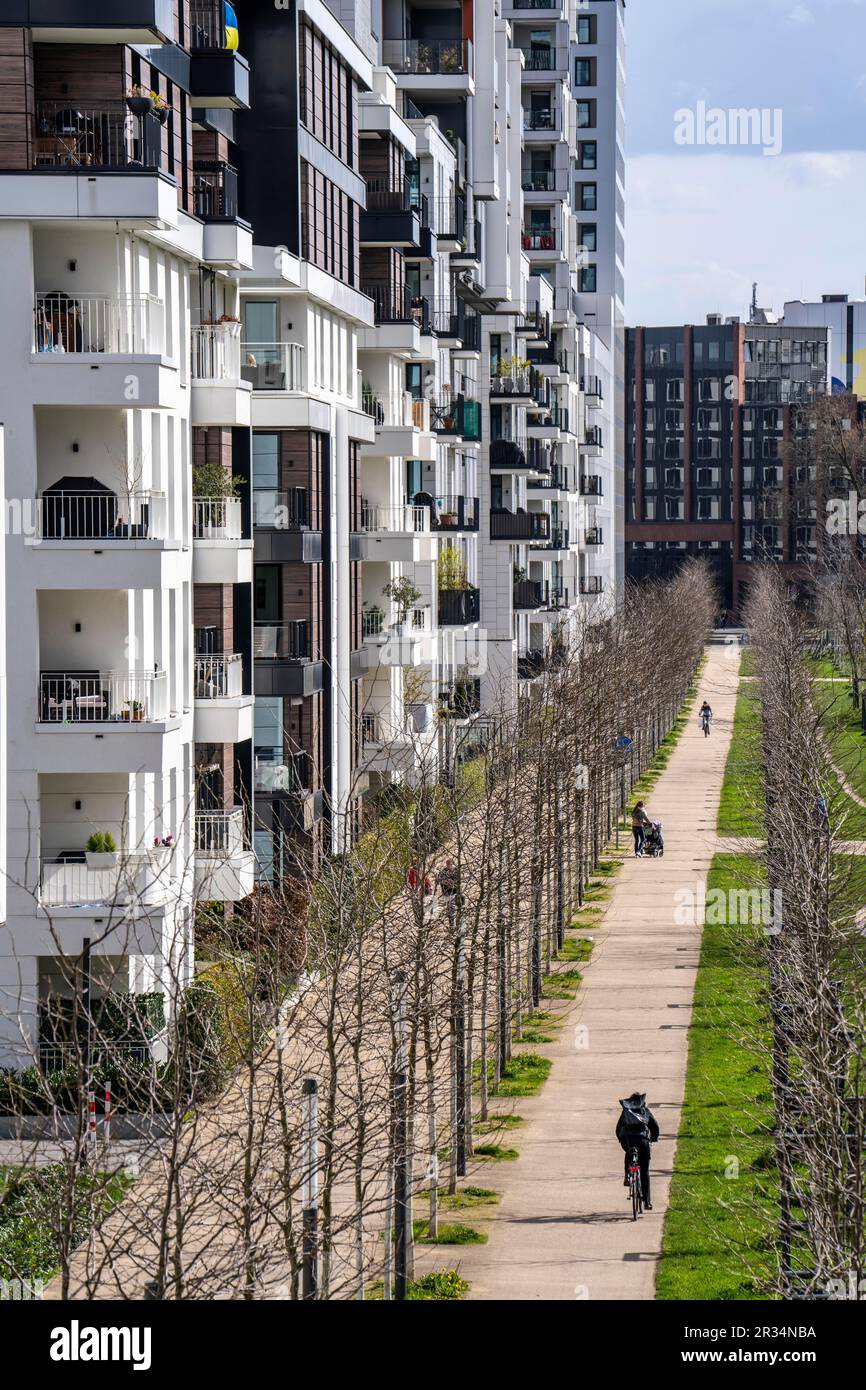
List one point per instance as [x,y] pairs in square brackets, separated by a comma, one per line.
[100,852]
[133,711]
[139,100]
[404,595]
[451,570]
[211,480]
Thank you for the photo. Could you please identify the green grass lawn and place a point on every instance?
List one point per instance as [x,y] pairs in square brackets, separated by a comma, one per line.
[841,724]
[716,1228]
[741,808]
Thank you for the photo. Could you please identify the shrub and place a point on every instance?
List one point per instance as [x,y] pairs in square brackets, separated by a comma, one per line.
[101,842]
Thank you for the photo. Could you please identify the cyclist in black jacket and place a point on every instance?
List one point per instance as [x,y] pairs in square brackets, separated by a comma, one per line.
[637,1128]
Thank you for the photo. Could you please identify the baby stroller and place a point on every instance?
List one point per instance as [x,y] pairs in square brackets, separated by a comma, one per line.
[654,842]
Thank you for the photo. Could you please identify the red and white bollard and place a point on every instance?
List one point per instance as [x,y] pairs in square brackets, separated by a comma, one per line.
[91,1116]
[106,1114]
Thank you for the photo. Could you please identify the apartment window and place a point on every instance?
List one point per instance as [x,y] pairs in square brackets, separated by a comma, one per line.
[675,389]
[673,448]
[585,111]
[649,479]
[649,508]
[268,597]
[649,450]
[709,419]
[589,236]
[588,279]
[715,351]
[674,479]
[709,477]
[588,154]
[708,509]
[586,29]
[707,448]
[649,421]
[584,72]
[261,324]
[654,355]
[674,508]
[770,448]
[709,389]
[649,389]
[698,352]
[674,421]
[748,420]
[266,460]
[587,197]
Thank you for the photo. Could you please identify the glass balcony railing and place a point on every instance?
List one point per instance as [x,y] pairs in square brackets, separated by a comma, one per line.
[273,366]
[428,57]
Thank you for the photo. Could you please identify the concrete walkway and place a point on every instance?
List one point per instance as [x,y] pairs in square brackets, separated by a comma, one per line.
[563,1230]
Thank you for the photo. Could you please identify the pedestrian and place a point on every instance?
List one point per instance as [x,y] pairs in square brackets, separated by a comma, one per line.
[449,880]
[639,824]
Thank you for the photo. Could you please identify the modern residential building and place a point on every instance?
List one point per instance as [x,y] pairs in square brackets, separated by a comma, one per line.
[713,412]
[845,320]
[128,697]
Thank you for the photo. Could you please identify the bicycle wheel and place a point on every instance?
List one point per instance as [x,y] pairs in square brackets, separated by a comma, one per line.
[636,1203]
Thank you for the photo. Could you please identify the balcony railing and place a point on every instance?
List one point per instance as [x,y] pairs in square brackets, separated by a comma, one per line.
[273,366]
[69,136]
[400,410]
[219,677]
[592,439]
[507,454]
[538,180]
[456,514]
[591,485]
[519,526]
[103,516]
[216,518]
[135,878]
[531,665]
[457,607]
[393,303]
[529,593]
[124,323]
[543,118]
[216,352]
[407,519]
[207,24]
[591,584]
[57,1056]
[428,57]
[593,387]
[220,833]
[282,641]
[281,509]
[277,771]
[541,59]
[530,384]
[450,217]
[97,697]
[215,190]
[538,457]
[376,623]
[557,597]
[539,240]
[593,536]
[559,538]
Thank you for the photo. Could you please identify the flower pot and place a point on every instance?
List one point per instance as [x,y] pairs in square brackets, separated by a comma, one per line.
[161,113]
[139,106]
[101,860]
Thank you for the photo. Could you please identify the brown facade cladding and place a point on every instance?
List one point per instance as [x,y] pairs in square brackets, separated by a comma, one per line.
[302,456]
[328,96]
[382,163]
[688,432]
[330,227]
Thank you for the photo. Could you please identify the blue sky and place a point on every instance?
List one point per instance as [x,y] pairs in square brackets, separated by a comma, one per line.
[703,223]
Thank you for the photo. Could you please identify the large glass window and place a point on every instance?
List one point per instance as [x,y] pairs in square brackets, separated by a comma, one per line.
[589,236]
[260,321]
[584,74]
[268,596]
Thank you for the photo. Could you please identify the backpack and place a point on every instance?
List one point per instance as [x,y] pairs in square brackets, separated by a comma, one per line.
[634,1124]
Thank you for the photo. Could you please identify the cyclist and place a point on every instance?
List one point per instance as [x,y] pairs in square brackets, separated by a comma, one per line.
[637,1128]
[706,718]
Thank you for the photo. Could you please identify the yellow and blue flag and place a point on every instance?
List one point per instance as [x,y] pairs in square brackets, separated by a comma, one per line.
[231,22]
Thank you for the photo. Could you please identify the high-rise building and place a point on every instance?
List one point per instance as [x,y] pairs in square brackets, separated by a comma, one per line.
[711,412]
[845,320]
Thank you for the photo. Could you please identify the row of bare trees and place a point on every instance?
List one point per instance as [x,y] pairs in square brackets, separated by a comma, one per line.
[812,960]
[328,1074]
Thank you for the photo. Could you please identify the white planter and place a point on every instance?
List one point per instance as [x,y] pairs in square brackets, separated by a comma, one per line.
[102,860]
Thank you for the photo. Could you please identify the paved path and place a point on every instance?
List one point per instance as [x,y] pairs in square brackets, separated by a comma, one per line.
[562,1229]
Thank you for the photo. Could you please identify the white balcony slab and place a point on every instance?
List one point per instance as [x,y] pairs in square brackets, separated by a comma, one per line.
[110,564]
[104,379]
[224,720]
[397,547]
[222,562]
[287,410]
[131,199]
[228,244]
[214,402]
[402,441]
[225,878]
[400,338]
[110,746]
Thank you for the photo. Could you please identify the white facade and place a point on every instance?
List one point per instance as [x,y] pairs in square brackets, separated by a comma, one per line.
[846,320]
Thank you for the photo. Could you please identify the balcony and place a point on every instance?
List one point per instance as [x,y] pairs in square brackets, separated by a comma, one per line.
[277,772]
[396,533]
[71,137]
[540,239]
[540,181]
[281,524]
[399,317]
[220,555]
[445,58]
[528,594]
[102,697]
[103,539]
[591,485]
[531,665]
[218,76]
[456,418]
[593,536]
[458,607]
[224,866]
[592,584]
[592,389]
[558,597]
[534,324]
[540,58]
[455,514]
[527,387]
[449,215]
[559,538]
[219,395]
[91,21]
[388,749]
[403,426]
[391,217]
[460,702]
[394,643]
[223,713]
[227,240]
[540,120]
[83,343]
[593,442]
[507,455]
[284,663]
[519,526]
[134,880]
[273,366]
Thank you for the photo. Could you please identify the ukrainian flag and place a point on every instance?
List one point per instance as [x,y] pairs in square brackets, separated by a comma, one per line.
[231,27]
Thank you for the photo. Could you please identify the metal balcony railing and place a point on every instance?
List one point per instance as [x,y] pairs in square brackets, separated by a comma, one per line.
[507,454]
[216,352]
[60,1056]
[541,118]
[281,509]
[220,834]
[450,217]
[392,302]
[68,135]
[207,24]
[273,366]
[592,439]
[456,513]
[134,878]
[428,57]
[216,518]
[543,59]
[592,584]
[407,519]
[592,386]
[384,195]
[400,410]
[531,665]
[274,770]
[528,593]
[538,180]
[103,516]
[593,536]
[93,697]
[519,526]
[105,323]
[558,596]
[282,641]
[219,677]
[457,607]
[215,190]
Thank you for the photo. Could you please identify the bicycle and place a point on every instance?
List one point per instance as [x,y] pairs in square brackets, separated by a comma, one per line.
[635,1188]
[705,725]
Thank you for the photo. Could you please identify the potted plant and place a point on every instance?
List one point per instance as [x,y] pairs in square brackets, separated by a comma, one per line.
[160,107]
[403,593]
[133,711]
[101,850]
[451,570]
[139,100]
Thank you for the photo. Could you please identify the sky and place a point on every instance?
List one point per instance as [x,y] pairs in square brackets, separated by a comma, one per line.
[704,222]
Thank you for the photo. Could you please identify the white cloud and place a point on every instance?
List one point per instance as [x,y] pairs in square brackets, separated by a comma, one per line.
[702,227]
[801,15]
